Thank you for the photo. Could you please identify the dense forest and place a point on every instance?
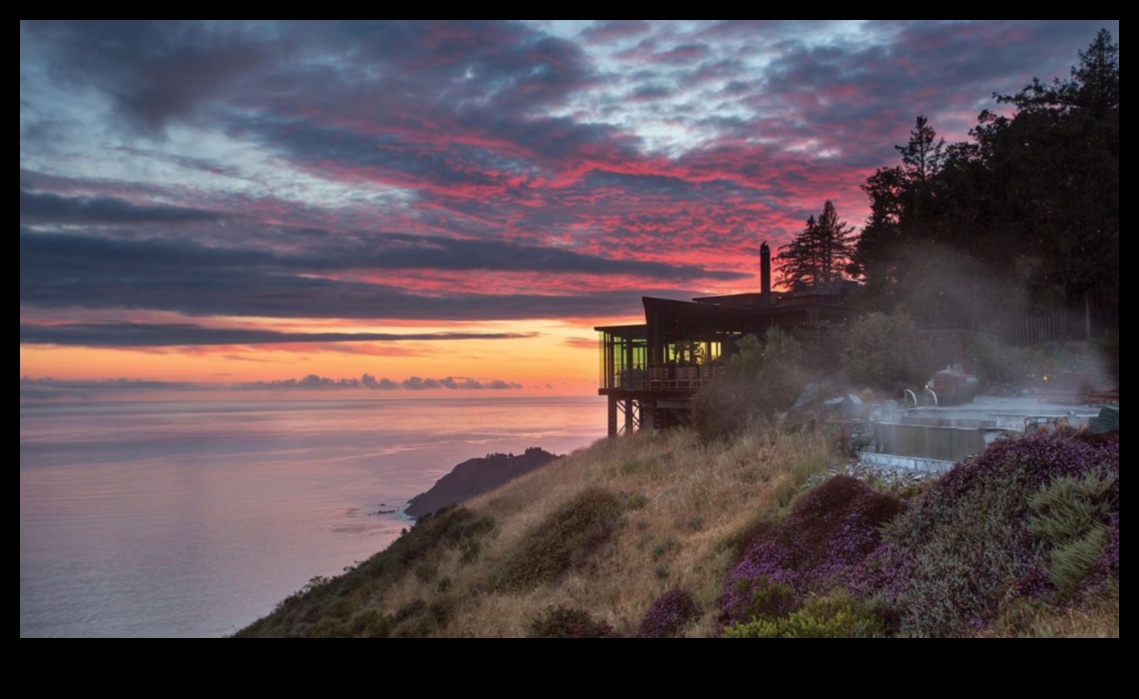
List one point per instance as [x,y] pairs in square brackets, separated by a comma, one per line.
[1025,214]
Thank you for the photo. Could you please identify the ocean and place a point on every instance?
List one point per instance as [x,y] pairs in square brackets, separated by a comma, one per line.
[193,519]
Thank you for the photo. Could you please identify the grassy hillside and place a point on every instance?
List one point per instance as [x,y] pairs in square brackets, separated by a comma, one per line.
[671,536]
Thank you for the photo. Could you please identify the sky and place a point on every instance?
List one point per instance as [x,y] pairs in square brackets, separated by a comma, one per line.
[414,208]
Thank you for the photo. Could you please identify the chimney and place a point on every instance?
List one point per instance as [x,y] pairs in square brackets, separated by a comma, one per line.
[765,273]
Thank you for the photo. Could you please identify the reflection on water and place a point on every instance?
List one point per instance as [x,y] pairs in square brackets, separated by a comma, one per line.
[193,519]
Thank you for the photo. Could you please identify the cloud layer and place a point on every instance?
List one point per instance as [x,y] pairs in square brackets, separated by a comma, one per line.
[456,171]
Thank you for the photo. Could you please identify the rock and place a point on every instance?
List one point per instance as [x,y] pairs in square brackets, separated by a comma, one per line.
[1106,421]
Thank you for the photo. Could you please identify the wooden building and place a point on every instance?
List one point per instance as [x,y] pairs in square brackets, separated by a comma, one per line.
[650,372]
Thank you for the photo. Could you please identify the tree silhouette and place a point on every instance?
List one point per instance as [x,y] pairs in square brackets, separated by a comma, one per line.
[820,253]
[1031,201]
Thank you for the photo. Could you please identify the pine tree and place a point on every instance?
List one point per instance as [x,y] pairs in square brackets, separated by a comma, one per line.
[924,154]
[820,253]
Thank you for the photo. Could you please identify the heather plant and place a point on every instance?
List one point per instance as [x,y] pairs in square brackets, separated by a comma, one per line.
[965,545]
[822,544]
[669,614]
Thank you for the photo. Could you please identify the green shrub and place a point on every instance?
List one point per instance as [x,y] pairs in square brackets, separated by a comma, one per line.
[766,600]
[409,610]
[1071,561]
[997,365]
[886,351]
[370,623]
[826,617]
[425,572]
[326,628]
[760,380]
[664,547]
[1072,515]
[569,622]
[561,542]
[418,619]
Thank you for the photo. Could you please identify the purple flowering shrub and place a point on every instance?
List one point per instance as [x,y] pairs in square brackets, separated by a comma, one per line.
[965,547]
[822,544]
[669,614]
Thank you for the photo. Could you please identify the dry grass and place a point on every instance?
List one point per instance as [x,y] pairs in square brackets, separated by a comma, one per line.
[1096,617]
[672,512]
[685,505]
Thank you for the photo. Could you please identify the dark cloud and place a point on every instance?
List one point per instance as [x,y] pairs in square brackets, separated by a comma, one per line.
[499,149]
[154,70]
[161,72]
[394,251]
[52,208]
[65,270]
[175,334]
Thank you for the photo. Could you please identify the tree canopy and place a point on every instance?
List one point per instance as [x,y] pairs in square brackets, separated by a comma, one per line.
[1032,199]
[820,253]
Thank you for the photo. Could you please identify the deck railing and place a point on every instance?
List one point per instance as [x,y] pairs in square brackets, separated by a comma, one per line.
[667,377]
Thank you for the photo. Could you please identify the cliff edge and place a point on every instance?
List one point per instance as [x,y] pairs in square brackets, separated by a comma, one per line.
[476,476]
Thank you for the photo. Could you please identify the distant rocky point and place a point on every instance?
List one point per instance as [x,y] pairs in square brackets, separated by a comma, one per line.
[475,476]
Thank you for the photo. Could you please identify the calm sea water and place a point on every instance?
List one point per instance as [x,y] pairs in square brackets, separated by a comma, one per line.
[194,519]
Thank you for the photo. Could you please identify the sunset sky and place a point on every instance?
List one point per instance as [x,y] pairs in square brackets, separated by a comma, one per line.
[444,207]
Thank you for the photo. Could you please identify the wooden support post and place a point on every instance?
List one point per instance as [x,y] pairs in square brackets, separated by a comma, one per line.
[612,416]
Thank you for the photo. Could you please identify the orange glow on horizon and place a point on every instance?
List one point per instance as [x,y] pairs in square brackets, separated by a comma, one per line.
[554,356]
